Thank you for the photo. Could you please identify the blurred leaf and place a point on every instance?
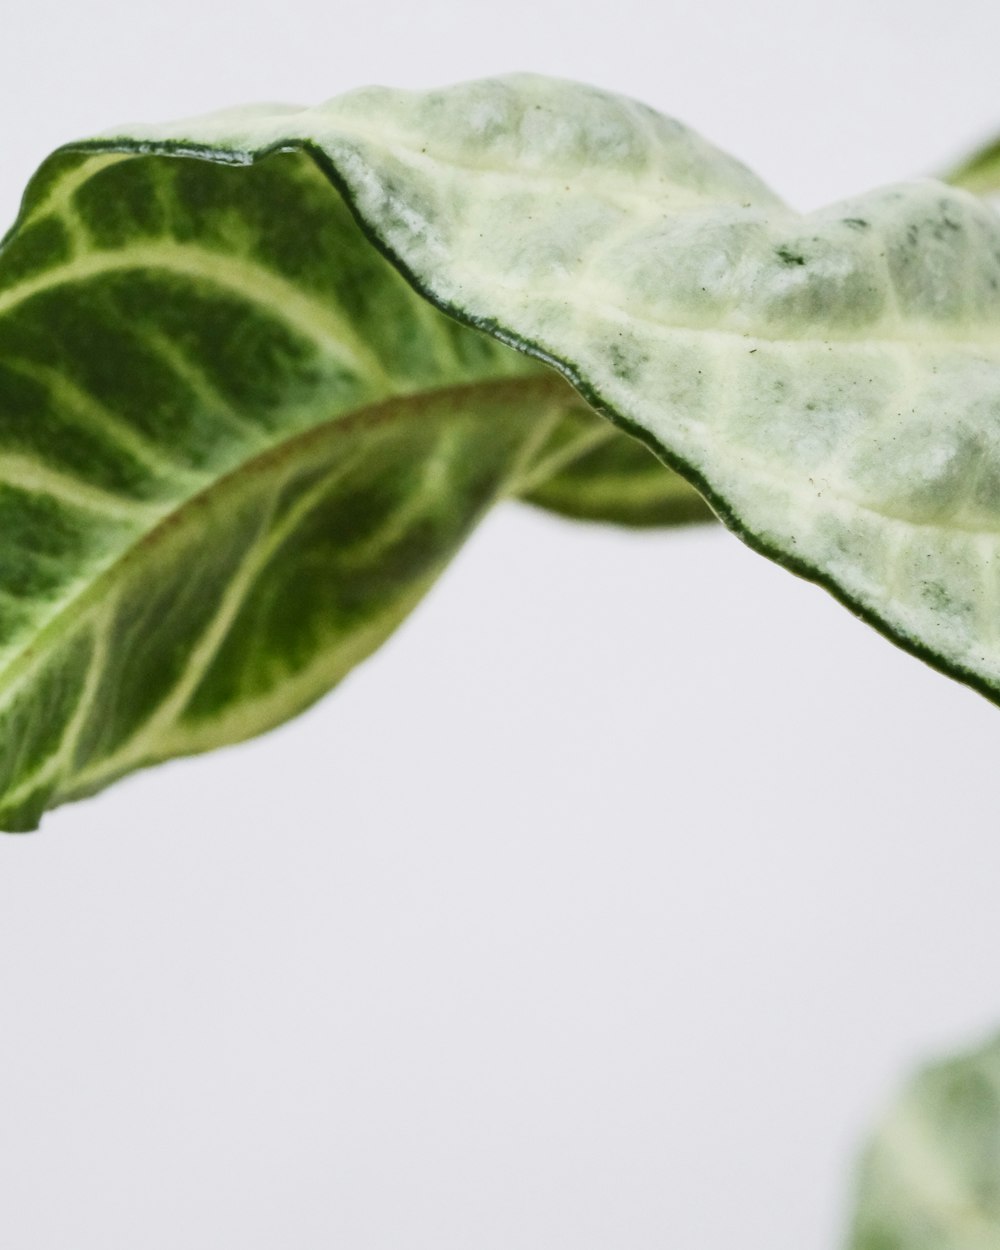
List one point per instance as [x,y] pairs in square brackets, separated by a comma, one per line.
[980,172]
[590,471]
[930,1179]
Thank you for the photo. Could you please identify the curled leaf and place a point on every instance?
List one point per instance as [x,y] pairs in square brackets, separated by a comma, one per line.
[260,373]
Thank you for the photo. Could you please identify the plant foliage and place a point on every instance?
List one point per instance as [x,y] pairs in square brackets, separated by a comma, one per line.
[262,372]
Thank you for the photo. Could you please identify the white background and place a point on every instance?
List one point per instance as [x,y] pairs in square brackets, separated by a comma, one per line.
[605,906]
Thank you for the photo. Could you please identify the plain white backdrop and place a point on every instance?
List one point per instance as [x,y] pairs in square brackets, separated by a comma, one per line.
[607,904]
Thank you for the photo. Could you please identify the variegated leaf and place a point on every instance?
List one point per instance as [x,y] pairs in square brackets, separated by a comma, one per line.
[235,449]
[831,382]
[181,305]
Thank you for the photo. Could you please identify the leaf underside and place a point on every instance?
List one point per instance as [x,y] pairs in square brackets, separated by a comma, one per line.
[262,372]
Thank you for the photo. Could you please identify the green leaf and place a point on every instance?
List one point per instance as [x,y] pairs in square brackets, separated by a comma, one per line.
[930,1180]
[980,172]
[830,382]
[236,450]
[590,471]
[184,308]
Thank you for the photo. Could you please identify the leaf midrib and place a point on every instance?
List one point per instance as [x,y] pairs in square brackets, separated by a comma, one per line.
[411,406]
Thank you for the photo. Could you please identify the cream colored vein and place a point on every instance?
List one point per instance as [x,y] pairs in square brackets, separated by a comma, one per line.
[64,750]
[30,475]
[591,299]
[60,196]
[22,663]
[291,694]
[196,380]
[215,632]
[281,299]
[434,473]
[655,187]
[561,457]
[295,691]
[88,410]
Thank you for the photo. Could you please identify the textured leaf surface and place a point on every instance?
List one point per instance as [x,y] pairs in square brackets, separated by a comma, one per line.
[182,307]
[235,449]
[931,1178]
[830,381]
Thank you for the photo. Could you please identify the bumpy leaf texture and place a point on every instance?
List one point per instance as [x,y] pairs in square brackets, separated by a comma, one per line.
[261,373]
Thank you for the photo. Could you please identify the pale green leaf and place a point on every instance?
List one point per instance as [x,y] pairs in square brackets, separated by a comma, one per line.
[831,382]
[181,307]
[930,1180]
